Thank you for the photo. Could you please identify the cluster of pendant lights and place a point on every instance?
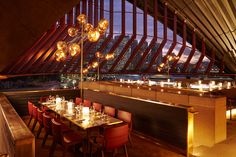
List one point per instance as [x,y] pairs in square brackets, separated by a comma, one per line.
[170,58]
[87,32]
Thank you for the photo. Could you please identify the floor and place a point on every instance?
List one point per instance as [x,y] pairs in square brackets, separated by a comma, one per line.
[144,147]
[225,148]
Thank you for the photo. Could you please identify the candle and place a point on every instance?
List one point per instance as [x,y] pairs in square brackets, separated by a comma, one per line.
[228,85]
[179,84]
[58,103]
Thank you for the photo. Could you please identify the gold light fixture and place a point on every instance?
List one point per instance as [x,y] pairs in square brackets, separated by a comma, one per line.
[86,31]
[169,58]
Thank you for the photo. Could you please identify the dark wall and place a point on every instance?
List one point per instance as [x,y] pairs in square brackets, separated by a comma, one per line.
[19,99]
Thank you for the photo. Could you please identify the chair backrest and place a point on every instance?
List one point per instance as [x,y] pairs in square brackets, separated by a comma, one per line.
[78,101]
[111,111]
[116,136]
[56,131]
[47,123]
[125,116]
[30,108]
[43,98]
[40,116]
[35,111]
[97,106]
[87,103]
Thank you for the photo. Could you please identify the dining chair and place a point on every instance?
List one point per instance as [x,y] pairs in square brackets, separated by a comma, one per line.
[65,139]
[127,118]
[112,139]
[48,127]
[43,99]
[78,101]
[97,106]
[111,111]
[87,103]
[40,121]
[30,111]
[35,117]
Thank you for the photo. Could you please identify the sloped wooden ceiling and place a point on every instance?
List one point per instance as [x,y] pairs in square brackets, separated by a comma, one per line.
[24,21]
[35,18]
[214,20]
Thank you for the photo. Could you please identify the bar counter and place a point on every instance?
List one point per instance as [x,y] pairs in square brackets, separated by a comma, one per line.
[209,122]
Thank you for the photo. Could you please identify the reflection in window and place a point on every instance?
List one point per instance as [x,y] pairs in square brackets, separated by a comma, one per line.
[194,60]
[204,65]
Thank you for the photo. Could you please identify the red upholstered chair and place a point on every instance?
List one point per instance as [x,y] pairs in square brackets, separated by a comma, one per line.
[65,139]
[87,103]
[43,99]
[40,121]
[30,110]
[111,111]
[35,116]
[78,101]
[112,139]
[126,117]
[97,106]
[48,127]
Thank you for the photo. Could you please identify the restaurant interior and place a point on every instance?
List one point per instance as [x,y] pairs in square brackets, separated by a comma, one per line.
[105,78]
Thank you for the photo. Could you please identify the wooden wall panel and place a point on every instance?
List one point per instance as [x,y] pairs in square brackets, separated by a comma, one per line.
[15,138]
[19,99]
[164,122]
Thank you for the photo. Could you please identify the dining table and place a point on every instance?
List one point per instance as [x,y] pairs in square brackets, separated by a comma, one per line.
[83,117]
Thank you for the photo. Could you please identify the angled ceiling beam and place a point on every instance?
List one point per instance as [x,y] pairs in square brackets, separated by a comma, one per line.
[143,39]
[149,68]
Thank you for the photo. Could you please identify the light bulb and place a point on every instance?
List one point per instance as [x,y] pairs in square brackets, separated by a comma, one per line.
[95,64]
[72,31]
[74,49]
[88,27]
[62,45]
[103,25]
[81,19]
[93,35]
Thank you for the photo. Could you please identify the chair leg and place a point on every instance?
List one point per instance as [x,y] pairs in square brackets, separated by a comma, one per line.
[126,152]
[30,120]
[130,140]
[39,131]
[35,122]
[102,151]
[52,148]
[64,151]
[44,139]
[114,153]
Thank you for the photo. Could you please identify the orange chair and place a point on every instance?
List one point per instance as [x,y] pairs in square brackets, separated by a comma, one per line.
[127,118]
[78,101]
[65,139]
[112,139]
[97,106]
[35,116]
[40,121]
[111,111]
[30,110]
[87,103]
